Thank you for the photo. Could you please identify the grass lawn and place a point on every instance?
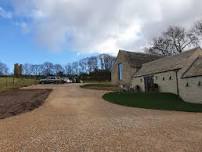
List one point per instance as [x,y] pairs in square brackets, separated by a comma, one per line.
[10,83]
[100,86]
[160,101]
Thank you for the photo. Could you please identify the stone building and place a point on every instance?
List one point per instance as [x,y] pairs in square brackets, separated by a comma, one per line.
[180,74]
[127,64]
[17,70]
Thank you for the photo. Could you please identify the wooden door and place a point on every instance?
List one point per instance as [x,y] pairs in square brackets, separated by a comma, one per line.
[149,83]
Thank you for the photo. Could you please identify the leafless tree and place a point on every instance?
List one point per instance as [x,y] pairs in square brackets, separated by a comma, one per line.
[3,69]
[68,69]
[75,68]
[27,69]
[47,68]
[83,64]
[108,62]
[174,41]
[92,63]
[58,69]
[161,45]
[197,30]
[36,69]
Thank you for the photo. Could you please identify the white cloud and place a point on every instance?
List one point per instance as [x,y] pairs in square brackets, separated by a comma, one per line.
[104,26]
[24,27]
[5,14]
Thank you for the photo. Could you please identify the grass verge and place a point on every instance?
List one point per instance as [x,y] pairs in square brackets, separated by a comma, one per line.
[12,83]
[159,101]
[100,86]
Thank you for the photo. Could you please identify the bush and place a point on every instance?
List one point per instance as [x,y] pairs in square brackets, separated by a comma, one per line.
[97,75]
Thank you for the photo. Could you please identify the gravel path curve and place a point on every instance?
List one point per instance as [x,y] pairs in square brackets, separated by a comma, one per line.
[79,120]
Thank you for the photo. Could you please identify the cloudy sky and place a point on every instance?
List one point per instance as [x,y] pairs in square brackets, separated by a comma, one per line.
[65,30]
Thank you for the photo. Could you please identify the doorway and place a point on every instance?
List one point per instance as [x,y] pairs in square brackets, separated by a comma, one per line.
[149,83]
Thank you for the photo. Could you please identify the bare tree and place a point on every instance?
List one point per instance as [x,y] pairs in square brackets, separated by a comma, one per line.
[68,69]
[108,62]
[47,68]
[83,64]
[173,41]
[35,69]
[92,63]
[75,68]
[161,45]
[197,30]
[27,69]
[58,69]
[3,69]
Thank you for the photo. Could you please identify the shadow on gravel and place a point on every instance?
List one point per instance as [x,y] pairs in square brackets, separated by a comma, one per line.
[18,101]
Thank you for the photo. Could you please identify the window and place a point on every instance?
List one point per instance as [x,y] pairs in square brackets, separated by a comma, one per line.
[120,71]
[163,78]
[156,77]
[140,80]
[187,84]
[170,78]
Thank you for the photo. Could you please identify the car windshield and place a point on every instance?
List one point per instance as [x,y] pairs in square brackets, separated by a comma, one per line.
[51,78]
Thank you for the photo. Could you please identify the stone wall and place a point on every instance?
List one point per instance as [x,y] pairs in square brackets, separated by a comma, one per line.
[127,72]
[139,81]
[166,81]
[190,89]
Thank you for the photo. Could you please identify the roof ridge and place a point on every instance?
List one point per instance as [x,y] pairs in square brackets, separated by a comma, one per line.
[177,55]
[141,53]
[168,63]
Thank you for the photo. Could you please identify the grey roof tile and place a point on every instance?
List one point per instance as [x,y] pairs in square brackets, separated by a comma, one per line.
[166,63]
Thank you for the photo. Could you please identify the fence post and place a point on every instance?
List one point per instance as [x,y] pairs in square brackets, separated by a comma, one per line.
[13,81]
[6,81]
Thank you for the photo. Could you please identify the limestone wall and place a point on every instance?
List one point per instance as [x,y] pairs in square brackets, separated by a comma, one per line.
[191,89]
[166,81]
[139,81]
[127,72]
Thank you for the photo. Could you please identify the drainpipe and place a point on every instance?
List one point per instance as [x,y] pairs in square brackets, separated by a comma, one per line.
[178,91]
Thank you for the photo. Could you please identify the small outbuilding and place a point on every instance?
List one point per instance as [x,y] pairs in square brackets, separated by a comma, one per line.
[180,74]
[127,64]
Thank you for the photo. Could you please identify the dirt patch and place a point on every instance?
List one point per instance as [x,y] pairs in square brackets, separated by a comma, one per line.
[18,101]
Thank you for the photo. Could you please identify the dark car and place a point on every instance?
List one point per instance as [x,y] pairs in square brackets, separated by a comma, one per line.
[52,80]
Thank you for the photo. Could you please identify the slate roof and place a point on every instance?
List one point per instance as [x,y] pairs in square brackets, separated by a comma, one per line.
[136,59]
[195,69]
[166,63]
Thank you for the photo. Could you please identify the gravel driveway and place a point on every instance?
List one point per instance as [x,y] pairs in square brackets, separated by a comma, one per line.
[75,119]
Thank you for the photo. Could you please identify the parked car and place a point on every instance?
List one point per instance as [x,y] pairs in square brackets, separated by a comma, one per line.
[76,80]
[52,80]
[67,80]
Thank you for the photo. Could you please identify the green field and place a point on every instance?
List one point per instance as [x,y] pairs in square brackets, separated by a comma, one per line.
[160,101]
[10,83]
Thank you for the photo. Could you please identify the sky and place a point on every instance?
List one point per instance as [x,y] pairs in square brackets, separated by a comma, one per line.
[62,31]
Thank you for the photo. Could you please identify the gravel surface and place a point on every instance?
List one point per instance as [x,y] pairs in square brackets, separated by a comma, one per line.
[75,119]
